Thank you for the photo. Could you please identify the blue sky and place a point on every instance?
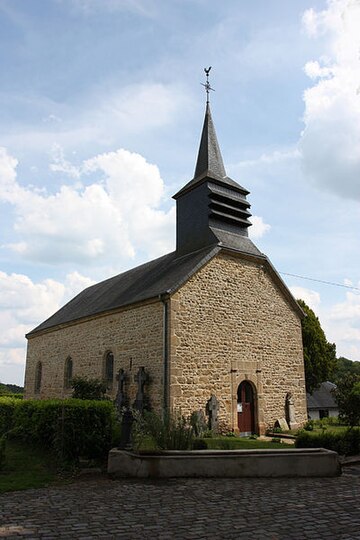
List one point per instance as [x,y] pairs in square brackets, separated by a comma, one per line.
[101,110]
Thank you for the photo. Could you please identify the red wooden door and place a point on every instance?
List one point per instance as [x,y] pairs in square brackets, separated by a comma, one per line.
[245,408]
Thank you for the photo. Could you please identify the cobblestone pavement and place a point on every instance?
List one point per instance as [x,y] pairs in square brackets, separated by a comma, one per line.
[274,509]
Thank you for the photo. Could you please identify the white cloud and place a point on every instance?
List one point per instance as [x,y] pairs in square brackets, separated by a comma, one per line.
[23,305]
[276,157]
[311,298]
[340,321]
[349,310]
[344,321]
[103,118]
[330,142]
[60,164]
[142,106]
[9,358]
[314,70]
[259,228]
[8,166]
[109,220]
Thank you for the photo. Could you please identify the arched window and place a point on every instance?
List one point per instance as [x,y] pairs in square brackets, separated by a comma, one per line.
[68,374]
[38,376]
[109,369]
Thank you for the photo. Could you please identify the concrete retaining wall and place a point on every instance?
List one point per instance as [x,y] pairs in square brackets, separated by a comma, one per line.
[225,463]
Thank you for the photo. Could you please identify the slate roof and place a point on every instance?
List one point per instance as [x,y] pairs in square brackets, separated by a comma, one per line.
[150,280]
[322,398]
[160,276]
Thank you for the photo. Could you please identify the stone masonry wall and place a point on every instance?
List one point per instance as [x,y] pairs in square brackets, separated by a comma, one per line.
[229,323]
[134,336]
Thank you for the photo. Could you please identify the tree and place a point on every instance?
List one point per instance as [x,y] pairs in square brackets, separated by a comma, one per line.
[347,395]
[319,354]
[345,366]
[10,389]
[86,388]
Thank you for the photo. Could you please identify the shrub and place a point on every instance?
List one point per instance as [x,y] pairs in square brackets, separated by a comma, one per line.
[35,420]
[86,388]
[347,395]
[2,451]
[84,428]
[198,423]
[7,407]
[72,428]
[172,432]
[345,443]
[199,444]
[309,426]
[224,444]
[331,421]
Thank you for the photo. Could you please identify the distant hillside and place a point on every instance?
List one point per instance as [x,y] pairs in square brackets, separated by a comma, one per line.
[10,389]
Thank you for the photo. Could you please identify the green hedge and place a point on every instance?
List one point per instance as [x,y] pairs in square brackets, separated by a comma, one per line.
[2,451]
[345,443]
[7,408]
[73,428]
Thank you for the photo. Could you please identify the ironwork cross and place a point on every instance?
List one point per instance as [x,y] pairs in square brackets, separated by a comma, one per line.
[141,378]
[121,378]
[120,399]
[207,85]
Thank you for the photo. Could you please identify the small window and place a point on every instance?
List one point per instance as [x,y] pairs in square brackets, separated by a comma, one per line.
[38,376]
[68,373]
[109,369]
[323,413]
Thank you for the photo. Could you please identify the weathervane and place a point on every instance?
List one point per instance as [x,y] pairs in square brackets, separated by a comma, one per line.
[207,84]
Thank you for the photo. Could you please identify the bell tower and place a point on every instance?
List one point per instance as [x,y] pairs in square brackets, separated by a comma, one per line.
[211,208]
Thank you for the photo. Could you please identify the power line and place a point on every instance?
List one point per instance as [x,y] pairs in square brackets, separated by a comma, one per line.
[321,281]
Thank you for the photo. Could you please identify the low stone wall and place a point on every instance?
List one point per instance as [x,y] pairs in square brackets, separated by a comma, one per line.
[307,462]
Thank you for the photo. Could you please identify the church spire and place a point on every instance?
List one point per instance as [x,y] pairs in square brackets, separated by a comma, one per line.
[209,160]
[211,208]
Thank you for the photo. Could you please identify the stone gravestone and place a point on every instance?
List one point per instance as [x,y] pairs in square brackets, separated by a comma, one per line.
[141,378]
[198,422]
[212,409]
[290,410]
[121,399]
[282,424]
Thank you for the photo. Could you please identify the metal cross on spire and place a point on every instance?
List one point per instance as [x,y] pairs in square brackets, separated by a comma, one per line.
[207,84]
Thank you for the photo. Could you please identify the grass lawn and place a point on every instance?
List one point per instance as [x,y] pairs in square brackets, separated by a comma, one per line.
[222,443]
[243,443]
[26,467]
[328,429]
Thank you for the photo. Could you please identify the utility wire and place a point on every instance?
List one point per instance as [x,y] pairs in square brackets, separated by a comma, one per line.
[321,281]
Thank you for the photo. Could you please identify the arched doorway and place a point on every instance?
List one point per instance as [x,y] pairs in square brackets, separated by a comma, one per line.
[246,408]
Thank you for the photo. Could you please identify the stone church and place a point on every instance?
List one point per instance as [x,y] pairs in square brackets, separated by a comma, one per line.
[212,318]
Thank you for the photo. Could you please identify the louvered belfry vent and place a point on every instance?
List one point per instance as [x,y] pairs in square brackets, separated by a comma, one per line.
[230,210]
[211,208]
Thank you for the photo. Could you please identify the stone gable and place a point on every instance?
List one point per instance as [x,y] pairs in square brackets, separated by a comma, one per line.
[230,322]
